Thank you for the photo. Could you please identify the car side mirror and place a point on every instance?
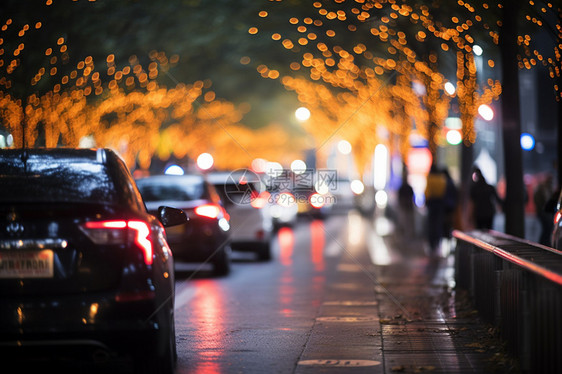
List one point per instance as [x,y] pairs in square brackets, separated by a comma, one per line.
[171,216]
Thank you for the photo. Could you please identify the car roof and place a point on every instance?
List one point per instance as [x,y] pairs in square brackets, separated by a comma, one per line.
[233,177]
[186,178]
[99,155]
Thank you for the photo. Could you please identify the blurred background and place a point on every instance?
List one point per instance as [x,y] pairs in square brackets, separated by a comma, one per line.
[363,88]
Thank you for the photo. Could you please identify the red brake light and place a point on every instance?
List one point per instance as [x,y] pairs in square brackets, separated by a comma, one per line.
[142,239]
[115,232]
[208,210]
[260,200]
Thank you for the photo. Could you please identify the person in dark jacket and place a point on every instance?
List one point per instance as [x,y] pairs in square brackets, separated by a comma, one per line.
[435,202]
[451,202]
[406,206]
[484,198]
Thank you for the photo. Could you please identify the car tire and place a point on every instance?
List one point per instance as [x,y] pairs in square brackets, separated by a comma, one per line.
[221,263]
[264,252]
[161,355]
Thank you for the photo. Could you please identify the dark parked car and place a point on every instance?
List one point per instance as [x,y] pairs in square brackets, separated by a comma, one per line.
[206,237]
[86,274]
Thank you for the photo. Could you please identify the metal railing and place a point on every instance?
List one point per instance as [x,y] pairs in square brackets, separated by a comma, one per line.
[516,285]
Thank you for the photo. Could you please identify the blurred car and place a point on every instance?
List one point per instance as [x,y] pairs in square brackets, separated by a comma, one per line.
[343,195]
[205,238]
[246,201]
[312,195]
[283,208]
[85,271]
[311,204]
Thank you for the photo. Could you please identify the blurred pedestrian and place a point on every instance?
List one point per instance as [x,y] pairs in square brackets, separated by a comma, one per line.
[406,207]
[451,203]
[543,193]
[484,199]
[435,202]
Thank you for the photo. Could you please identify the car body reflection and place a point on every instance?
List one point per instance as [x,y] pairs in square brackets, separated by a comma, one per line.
[207,320]
[317,241]
[286,239]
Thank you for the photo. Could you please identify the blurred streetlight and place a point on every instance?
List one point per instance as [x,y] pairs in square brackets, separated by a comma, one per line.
[454,137]
[274,169]
[344,147]
[380,167]
[205,161]
[486,112]
[527,141]
[298,166]
[357,187]
[477,50]
[450,88]
[259,165]
[302,114]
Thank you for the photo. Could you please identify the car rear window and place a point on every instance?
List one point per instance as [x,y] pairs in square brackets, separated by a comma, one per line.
[237,193]
[53,179]
[173,190]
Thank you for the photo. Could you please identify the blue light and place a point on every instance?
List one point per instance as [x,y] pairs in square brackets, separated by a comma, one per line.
[174,170]
[527,141]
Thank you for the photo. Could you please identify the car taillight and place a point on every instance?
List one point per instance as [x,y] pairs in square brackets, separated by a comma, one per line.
[260,200]
[121,232]
[208,210]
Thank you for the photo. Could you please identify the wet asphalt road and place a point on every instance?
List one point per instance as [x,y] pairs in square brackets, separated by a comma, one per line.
[259,319]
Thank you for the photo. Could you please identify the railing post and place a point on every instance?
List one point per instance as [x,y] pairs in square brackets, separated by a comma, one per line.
[497,299]
[526,320]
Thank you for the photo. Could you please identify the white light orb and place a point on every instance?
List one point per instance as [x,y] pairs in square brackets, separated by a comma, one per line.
[357,187]
[477,50]
[486,112]
[298,166]
[205,161]
[344,147]
[174,170]
[302,113]
[454,137]
[274,169]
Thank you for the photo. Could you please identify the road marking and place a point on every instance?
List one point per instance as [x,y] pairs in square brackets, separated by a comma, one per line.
[346,286]
[347,319]
[350,303]
[340,363]
[351,268]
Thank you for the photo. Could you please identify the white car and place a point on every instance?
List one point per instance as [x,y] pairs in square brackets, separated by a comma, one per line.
[247,202]
[283,208]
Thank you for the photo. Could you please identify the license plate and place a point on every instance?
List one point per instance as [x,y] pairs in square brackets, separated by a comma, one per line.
[26,264]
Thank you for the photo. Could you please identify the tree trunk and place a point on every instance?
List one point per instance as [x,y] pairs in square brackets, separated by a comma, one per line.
[559,102]
[559,134]
[467,163]
[511,127]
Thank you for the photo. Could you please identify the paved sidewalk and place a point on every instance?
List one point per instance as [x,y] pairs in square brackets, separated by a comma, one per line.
[401,316]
